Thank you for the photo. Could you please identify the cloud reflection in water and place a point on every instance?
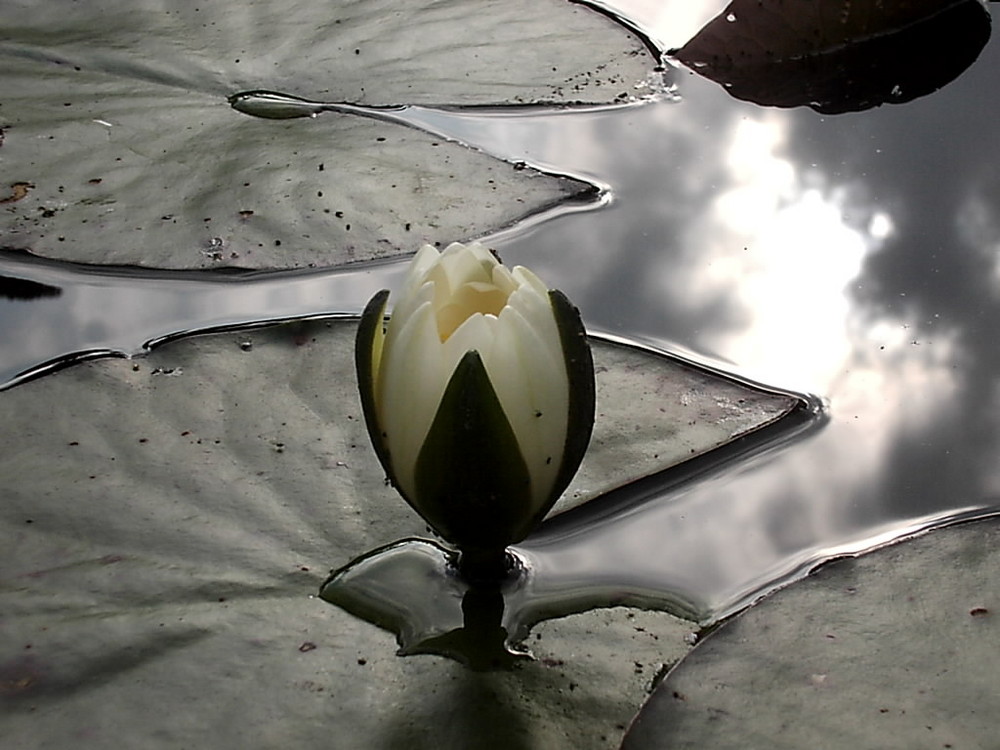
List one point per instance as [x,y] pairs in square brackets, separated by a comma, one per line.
[834,255]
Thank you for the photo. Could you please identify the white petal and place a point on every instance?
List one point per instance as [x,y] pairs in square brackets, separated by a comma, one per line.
[482,253]
[535,397]
[463,265]
[525,276]
[476,333]
[404,310]
[426,257]
[410,386]
[460,300]
[536,308]
[438,276]
[503,279]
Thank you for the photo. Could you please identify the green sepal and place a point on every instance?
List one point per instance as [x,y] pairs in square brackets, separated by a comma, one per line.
[472,483]
[370,326]
[582,396]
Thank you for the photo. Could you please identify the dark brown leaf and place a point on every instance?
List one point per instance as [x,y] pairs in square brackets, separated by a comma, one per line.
[837,55]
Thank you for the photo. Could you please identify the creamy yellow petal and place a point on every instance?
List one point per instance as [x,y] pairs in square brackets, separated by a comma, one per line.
[470,298]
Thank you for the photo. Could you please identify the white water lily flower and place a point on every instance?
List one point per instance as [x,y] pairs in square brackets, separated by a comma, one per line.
[478,395]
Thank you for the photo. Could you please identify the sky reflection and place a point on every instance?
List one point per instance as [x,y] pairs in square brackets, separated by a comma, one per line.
[849,256]
[122,311]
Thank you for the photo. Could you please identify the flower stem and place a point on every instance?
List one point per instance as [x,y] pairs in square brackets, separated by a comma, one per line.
[486,566]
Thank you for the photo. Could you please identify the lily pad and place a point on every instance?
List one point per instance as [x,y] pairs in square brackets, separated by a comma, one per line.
[120,146]
[839,56]
[169,519]
[902,641]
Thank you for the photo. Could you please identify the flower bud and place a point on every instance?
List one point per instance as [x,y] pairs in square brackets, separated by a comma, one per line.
[478,394]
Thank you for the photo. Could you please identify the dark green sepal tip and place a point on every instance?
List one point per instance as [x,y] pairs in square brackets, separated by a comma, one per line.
[472,483]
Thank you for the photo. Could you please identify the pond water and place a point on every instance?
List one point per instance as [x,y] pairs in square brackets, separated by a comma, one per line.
[855,257]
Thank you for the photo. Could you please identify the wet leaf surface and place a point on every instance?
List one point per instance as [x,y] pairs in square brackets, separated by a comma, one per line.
[116,113]
[169,520]
[902,641]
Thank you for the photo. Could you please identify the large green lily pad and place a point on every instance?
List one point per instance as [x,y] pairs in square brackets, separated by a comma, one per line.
[895,649]
[119,145]
[169,519]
